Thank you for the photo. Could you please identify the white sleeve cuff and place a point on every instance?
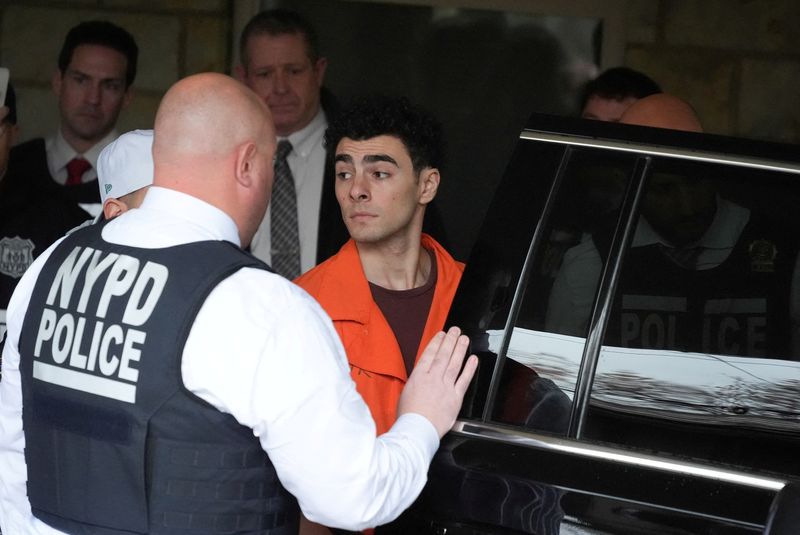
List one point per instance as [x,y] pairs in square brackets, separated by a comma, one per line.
[417,425]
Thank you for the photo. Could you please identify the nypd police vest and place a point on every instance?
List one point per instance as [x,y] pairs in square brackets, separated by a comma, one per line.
[114,441]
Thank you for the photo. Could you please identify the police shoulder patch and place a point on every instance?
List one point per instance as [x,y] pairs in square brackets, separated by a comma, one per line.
[16,254]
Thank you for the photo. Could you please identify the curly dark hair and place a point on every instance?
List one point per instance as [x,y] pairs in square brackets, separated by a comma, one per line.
[381,115]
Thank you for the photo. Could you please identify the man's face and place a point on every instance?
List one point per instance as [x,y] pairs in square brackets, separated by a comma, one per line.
[280,72]
[679,208]
[380,195]
[606,109]
[91,93]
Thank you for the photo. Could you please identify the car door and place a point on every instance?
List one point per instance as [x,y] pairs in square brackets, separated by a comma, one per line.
[622,387]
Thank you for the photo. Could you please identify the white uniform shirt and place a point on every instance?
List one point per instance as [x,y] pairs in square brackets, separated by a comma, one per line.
[307,162]
[262,350]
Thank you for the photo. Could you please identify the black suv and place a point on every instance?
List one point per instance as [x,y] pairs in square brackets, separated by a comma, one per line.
[634,297]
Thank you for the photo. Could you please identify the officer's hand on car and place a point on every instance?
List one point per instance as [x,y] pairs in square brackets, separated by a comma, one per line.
[437,384]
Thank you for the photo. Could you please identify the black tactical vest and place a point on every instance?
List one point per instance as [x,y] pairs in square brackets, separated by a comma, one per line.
[114,441]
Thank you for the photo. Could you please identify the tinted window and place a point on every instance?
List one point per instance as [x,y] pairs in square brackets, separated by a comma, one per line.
[537,380]
[483,302]
[700,354]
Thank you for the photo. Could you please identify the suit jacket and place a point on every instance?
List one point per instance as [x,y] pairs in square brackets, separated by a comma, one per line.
[33,158]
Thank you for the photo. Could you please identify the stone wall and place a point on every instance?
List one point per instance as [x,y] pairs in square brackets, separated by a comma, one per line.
[736,61]
[175,38]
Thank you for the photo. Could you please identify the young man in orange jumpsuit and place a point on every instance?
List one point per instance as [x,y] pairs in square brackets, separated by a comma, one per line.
[389,288]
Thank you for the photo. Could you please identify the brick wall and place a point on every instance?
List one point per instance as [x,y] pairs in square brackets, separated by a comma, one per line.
[736,61]
[175,38]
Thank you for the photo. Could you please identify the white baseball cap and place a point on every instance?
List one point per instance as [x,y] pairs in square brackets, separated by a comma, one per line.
[126,164]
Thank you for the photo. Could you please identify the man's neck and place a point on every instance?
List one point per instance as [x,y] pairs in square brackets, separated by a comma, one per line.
[401,264]
[78,144]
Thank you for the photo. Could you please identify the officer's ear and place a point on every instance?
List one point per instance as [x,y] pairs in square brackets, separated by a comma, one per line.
[114,207]
[247,164]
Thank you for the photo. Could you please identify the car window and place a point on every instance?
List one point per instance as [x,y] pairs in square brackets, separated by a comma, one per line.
[536,383]
[700,356]
[483,302]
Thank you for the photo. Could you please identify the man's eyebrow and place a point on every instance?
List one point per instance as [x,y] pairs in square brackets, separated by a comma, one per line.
[73,70]
[346,158]
[372,158]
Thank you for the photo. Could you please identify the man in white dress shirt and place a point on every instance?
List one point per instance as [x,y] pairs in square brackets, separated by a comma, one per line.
[155,379]
[281,63]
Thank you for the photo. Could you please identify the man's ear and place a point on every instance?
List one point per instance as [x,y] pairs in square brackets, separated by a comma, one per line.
[127,97]
[55,82]
[245,163]
[428,184]
[319,69]
[114,207]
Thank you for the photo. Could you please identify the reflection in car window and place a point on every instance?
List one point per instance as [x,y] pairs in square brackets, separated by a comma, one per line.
[483,302]
[704,272]
[538,379]
[702,326]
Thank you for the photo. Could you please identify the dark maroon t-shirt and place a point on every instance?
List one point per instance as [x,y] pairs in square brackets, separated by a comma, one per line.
[407,312]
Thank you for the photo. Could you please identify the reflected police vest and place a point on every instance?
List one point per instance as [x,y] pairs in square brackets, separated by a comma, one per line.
[114,441]
[740,307]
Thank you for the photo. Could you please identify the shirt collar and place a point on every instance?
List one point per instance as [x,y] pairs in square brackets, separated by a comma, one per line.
[724,231]
[61,152]
[304,140]
[206,218]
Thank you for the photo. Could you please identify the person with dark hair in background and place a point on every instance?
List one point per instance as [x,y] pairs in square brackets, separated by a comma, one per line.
[34,212]
[608,96]
[96,67]
[281,61]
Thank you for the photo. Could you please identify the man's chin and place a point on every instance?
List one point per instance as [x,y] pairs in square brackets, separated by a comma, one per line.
[364,237]
[91,132]
[286,128]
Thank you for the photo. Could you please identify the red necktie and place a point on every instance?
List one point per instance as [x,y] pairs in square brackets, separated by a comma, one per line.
[75,169]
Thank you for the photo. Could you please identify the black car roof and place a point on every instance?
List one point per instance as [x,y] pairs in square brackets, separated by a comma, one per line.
[572,130]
